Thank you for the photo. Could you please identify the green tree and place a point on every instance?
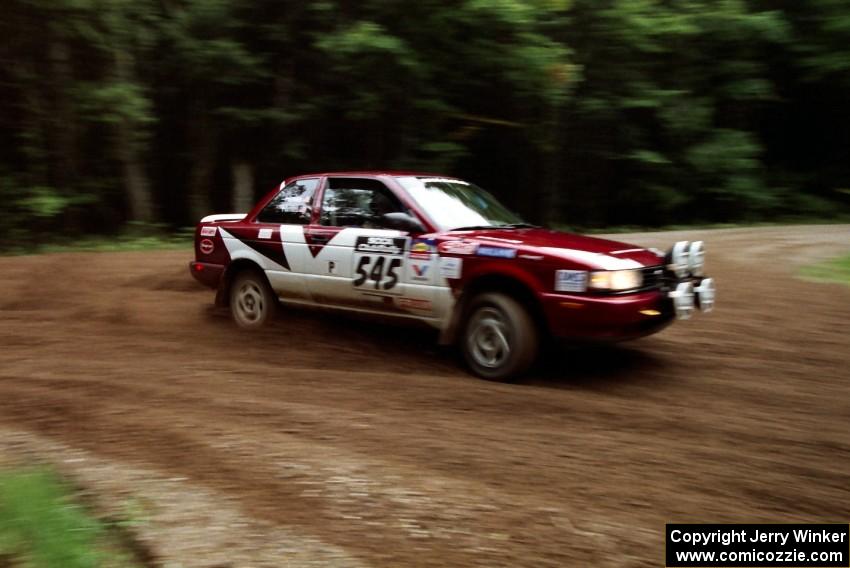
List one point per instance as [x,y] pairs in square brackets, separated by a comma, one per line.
[590,112]
[665,120]
[213,75]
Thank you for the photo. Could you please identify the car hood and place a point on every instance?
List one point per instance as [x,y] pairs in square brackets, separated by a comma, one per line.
[591,252]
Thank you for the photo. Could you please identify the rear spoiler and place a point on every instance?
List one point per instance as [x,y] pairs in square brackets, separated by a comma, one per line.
[223,217]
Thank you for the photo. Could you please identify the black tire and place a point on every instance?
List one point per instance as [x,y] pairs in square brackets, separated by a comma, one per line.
[500,340]
[253,304]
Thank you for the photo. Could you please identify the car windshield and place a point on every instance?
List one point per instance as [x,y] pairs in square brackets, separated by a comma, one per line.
[456,204]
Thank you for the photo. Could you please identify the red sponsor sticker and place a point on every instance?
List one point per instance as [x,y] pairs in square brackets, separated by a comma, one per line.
[206,246]
[414,304]
[458,247]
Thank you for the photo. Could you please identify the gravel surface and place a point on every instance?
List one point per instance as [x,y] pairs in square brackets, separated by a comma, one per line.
[330,441]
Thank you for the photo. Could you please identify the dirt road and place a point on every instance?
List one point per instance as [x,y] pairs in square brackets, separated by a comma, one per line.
[370,446]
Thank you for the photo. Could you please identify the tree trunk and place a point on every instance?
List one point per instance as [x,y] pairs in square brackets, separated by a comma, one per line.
[137,187]
[203,142]
[551,156]
[243,186]
[34,127]
[63,126]
[136,184]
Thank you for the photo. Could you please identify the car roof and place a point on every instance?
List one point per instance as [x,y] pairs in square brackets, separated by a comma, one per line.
[354,173]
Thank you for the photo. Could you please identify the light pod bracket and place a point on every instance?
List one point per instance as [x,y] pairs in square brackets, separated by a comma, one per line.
[696,258]
[678,259]
[705,294]
[683,300]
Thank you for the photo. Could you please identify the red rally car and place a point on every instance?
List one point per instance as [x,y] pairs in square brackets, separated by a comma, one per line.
[442,251]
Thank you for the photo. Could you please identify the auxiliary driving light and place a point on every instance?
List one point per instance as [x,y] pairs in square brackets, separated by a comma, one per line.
[683,300]
[678,258]
[705,294]
[696,258]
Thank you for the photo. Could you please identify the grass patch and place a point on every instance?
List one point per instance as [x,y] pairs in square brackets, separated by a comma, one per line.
[121,243]
[135,238]
[835,270]
[41,526]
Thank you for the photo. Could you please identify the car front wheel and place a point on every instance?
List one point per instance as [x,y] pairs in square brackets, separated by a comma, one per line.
[500,340]
[252,302]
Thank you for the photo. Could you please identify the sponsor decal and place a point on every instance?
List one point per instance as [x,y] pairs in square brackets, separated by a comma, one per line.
[264,234]
[451,267]
[331,267]
[420,270]
[531,256]
[381,245]
[570,280]
[500,239]
[208,231]
[422,248]
[458,247]
[496,252]
[420,304]
[206,246]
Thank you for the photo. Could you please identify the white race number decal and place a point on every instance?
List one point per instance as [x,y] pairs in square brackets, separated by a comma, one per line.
[377,273]
[379,264]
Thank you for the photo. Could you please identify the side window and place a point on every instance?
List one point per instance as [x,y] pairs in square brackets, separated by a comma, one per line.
[292,204]
[353,202]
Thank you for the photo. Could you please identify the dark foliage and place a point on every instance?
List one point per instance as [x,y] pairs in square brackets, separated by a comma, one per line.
[582,112]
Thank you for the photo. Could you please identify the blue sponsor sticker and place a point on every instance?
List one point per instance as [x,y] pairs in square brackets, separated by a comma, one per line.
[497,252]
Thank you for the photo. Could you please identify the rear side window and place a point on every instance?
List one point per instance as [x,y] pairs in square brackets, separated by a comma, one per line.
[293,205]
[357,202]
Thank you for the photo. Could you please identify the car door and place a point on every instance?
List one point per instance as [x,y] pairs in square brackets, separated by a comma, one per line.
[353,261]
[275,239]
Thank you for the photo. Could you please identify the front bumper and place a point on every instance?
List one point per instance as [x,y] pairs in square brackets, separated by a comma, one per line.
[612,318]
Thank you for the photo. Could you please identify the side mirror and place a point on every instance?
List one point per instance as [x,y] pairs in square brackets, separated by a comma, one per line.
[402,222]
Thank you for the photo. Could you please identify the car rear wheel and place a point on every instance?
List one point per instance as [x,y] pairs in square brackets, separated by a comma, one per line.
[500,340]
[252,302]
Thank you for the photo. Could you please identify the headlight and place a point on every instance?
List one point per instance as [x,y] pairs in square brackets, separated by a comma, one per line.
[696,258]
[678,258]
[616,280]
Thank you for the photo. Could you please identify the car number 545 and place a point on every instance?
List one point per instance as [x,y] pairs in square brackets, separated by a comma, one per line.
[379,272]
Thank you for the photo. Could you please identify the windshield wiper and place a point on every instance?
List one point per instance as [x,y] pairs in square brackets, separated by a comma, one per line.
[506,226]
